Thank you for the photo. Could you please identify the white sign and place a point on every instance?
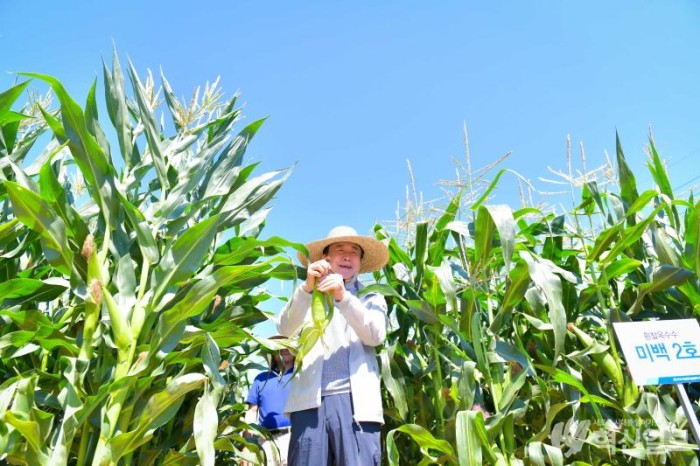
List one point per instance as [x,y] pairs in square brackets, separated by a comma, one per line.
[661,352]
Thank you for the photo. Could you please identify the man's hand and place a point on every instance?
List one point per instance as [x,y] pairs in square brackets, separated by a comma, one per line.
[332,283]
[315,270]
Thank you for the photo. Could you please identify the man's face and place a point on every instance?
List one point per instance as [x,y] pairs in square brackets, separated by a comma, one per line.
[345,259]
[286,356]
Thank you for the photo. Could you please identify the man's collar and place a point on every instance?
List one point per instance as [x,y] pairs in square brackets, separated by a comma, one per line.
[353,285]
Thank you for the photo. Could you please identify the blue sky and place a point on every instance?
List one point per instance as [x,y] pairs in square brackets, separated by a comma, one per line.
[354,90]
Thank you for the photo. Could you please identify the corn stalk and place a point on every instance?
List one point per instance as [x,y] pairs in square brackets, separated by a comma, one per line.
[130,273]
[502,350]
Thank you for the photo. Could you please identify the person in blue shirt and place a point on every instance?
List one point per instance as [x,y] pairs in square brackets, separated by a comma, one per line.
[335,399]
[266,400]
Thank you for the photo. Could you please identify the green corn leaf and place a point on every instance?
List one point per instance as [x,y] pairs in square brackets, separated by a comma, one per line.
[321,314]
[184,256]
[467,383]
[118,111]
[502,217]
[665,251]
[26,320]
[16,339]
[47,336]
[398,255]
[468,441]
[535,455]
[211,360]
[224,173]
[691,256]
[660,176]
[628,184]
[518,283]
[239,249]
[160,408]
[31,431]
[55,124]
[92,122]
[511,390]
[566,378]
[477,341]
[9,124]
[488,190]
[33,423]
[543,275]
[189,176]
[22,178]
[420,250]
[665,277]
[588,202]
[509,352]
[423,311]
[146,242]
[603,241]
[10,96]
[393,383]
[151,132]
[459,227]
[425,440]
[483,237]
[172,102]
[229,117]
[20,290]
[9,120]
[382,289]
[251,197]
[690,290]
[171,324]
[447,290]
[552,415]
[7,394]
[125,282]
[629,237]
[10,230]
[72,405]
[619,268]
[206,422]
[91,159]
[50,338]
[308,337]
[36,214]
[440,234]
[642,202]
[53,192]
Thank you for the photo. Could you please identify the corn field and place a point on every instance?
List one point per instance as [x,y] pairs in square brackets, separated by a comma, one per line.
[132,260]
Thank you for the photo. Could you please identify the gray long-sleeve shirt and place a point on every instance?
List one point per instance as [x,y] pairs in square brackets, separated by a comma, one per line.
[358,324]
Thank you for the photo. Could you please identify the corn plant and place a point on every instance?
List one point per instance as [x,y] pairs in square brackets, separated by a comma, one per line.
[502,350]
[130,259]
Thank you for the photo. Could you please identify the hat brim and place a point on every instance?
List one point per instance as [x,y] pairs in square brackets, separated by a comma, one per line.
[375,253]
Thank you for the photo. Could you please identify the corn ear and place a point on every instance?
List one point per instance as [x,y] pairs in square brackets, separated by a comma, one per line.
[321,308]
[321,315]
[121,330]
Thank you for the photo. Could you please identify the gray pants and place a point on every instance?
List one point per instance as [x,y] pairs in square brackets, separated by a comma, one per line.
[329,435]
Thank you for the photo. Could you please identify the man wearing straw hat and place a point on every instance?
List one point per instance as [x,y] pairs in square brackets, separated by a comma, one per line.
[335,400]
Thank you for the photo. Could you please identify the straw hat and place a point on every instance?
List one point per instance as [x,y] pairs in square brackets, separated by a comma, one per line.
[375,254]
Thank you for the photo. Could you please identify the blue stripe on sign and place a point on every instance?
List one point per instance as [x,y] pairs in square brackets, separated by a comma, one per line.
[679,379]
